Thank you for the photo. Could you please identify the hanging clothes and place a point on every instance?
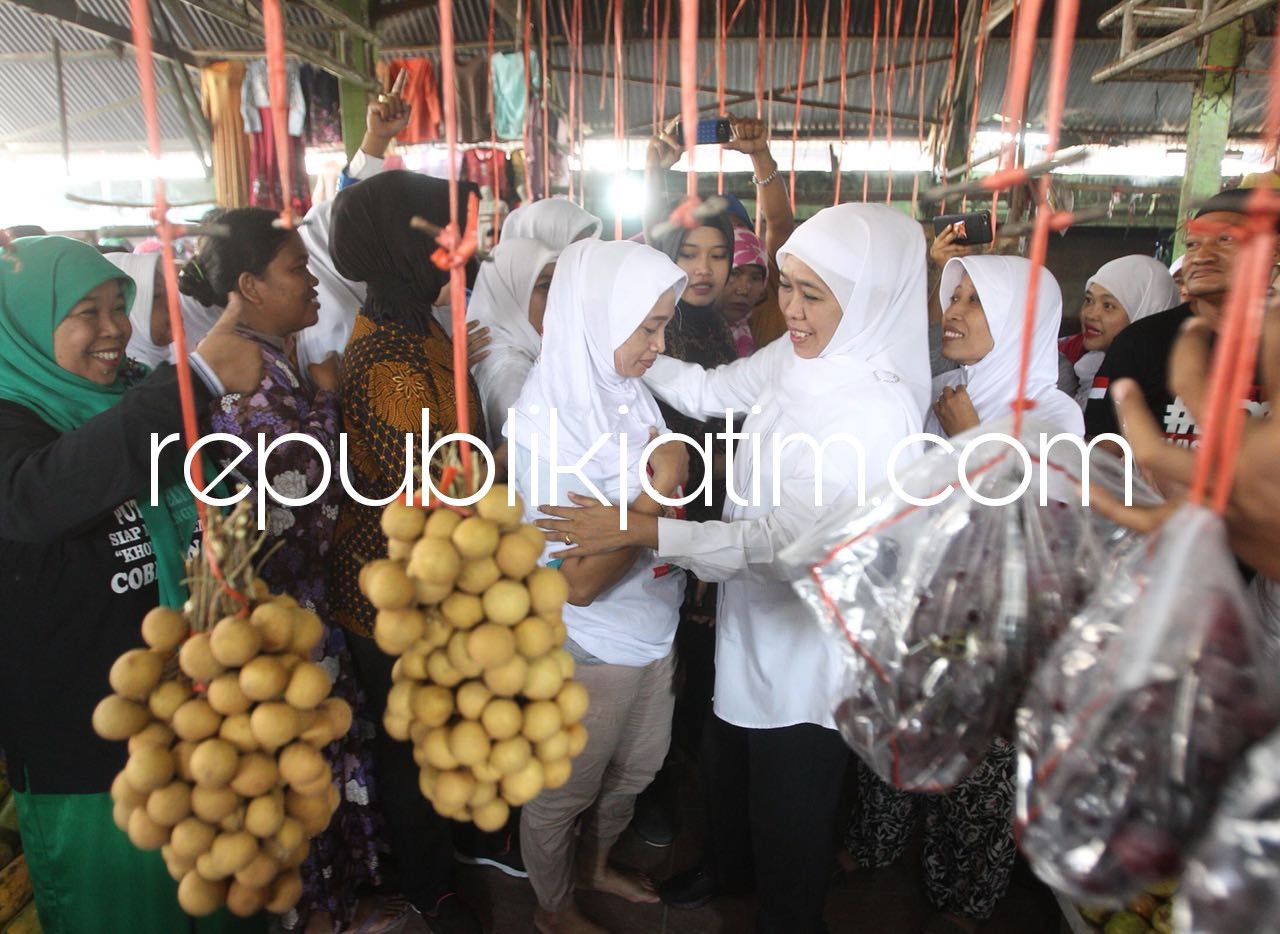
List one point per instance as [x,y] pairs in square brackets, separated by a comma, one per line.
[422,93]
[486,168]
[264,161]
[220,92]
[255,95]
[323,125]
[508,92]
[471,78]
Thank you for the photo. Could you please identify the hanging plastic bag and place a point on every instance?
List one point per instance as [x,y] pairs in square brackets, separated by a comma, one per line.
[942,610]
[1136,719]
[1232,880]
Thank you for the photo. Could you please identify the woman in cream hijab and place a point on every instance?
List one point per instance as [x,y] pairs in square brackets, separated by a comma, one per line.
[606,316]
[510,299]
[557,222]
[855,368]
[152,339]
[984,298]
[1123,291]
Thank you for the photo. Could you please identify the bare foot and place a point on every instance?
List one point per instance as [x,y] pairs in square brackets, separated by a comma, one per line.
[630,884]
[377,914]
[569,921]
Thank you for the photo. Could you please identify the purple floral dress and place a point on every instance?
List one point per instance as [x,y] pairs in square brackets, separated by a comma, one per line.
[344,860]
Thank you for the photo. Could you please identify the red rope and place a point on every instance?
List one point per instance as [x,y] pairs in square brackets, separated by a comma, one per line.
[546,111]
[890,70]
[871,120]
[978,62]
[619,105]
[844,92]
[493,142]
[577,27]
[528,90]
[688,88]
[722,48]
[278,87]
[795,122]
[450,239]
[1059,70]
[761,30]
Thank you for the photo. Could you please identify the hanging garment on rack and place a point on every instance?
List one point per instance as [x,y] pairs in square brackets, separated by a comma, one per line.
[324,115]
[472,80]
[422,93]
[508,92]
[255,94]
[220,85]
[264,169]
[485,167]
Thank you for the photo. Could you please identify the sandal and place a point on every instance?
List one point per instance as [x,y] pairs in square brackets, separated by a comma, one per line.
[388,916]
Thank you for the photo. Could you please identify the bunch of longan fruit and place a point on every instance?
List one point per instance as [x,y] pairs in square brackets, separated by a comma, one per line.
[482,685]
[225,774]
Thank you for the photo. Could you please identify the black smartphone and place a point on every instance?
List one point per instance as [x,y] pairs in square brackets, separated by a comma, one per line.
[971,229]
[712,130]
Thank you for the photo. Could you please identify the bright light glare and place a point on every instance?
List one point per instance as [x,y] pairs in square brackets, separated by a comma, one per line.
[626,197]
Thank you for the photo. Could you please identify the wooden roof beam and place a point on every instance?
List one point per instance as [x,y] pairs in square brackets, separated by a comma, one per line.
[66,11]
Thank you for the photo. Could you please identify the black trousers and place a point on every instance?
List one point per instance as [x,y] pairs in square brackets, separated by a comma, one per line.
[421,849]
[772,798]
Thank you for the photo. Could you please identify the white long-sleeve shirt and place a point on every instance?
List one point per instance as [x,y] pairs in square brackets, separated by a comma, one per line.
[774,666]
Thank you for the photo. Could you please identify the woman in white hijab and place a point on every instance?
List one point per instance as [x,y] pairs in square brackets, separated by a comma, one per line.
[510,299]
[152,338]
[1123,291]
[339,297]
[606,314]
[557,222]
[855,369]
[984,298]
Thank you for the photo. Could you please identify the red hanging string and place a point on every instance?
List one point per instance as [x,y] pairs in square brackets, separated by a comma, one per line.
[890,69]
[546,103]
[721,49]
[577,54]
[569,30]
[978,62]
[871,120]
[844,92]
[451,239]
[493,142]
[920,95]
[528,95]
[1059,71]
[278,87]
[795,122]
[655,102]
[688,87]
[822,46]
[619,106]
[662,71]
[761,30]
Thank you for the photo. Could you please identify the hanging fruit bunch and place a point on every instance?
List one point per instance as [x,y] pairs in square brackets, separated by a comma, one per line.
[482,685]
[226,717]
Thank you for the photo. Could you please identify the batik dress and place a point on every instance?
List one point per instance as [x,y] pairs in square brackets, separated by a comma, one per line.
[344,860]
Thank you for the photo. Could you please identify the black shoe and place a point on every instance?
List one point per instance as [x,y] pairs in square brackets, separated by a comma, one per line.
[690,889]
[652,823]
[502,852]
[452,915]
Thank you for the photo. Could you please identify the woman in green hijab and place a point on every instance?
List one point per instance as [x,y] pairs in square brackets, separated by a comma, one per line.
[83,556]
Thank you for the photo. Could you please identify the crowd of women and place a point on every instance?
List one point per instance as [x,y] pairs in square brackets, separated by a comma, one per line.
[820,328]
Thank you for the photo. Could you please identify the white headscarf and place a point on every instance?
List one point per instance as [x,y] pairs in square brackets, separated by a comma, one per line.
[600,294]
[339,298]
[500,299]
[992,382]
[1142,286]
[872,258]
[141,268]
[557,222]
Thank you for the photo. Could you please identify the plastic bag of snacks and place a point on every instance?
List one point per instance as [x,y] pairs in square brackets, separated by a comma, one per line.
[1137,717]
[942,610]
[1232,881]
[482,685]
[226,718]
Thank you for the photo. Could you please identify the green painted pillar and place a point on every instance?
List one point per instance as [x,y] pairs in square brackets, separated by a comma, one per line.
[1210,121]
[352,98]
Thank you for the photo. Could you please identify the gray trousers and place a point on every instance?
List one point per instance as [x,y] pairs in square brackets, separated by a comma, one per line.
[629,729]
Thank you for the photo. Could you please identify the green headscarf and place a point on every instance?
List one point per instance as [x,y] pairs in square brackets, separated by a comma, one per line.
[41,280]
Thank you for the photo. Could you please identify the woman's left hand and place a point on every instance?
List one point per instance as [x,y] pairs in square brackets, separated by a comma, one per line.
[955,410]
[587,528]
[478,338]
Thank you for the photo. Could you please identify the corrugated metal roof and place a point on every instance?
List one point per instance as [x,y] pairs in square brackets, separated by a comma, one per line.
[1092,110]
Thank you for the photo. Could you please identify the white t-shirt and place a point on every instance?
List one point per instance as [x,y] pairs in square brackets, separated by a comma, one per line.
[632,623]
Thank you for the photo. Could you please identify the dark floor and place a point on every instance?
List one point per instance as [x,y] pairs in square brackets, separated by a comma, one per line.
[890,901]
